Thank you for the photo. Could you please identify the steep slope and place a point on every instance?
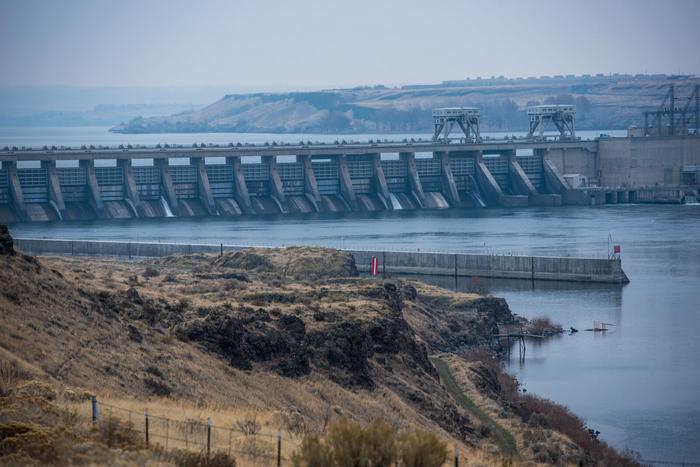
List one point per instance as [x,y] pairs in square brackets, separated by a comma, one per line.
[228,336]
[282,333]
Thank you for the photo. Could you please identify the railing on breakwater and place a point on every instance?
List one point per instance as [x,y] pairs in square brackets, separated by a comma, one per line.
[390,262]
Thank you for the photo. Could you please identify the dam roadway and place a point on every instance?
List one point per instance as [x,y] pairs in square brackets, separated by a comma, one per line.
[343,177]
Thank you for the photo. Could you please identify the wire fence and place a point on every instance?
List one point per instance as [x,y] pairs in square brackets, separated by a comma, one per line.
[157,248]
[248,440]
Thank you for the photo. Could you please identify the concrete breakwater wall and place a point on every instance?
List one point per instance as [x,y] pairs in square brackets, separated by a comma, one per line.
[390,262]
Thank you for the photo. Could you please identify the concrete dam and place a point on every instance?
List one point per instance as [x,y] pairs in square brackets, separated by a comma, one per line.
[132,182]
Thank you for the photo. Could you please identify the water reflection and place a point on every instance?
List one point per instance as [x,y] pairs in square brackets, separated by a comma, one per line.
[571,304]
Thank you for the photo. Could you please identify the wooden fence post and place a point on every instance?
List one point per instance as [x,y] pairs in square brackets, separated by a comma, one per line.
[208,436]
[279,448]
[95,409]
[145,424]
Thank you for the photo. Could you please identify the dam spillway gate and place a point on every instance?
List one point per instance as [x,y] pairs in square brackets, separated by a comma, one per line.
[75,184]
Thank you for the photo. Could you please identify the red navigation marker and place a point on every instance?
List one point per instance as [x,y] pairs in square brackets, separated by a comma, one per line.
[374,266]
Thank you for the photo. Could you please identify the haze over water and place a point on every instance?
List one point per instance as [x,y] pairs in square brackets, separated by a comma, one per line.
[637,384]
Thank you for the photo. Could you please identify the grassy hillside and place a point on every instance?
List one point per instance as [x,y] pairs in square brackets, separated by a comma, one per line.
[603,103]
[289,338]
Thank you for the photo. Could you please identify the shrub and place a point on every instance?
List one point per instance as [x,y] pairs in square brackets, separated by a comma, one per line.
[422,449]
[544,413]
[69,418]
[170,277]
[193,427]
[313,453]
[118,435]
[544,326]
[378,444]
[35,389]
[254,448]
[249,426]
[353,444]
[294,423]
[184,458]
[24,444]
[75,395]
[151,272]
[10,375]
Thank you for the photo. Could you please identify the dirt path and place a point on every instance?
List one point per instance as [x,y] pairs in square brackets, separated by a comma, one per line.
[505,440]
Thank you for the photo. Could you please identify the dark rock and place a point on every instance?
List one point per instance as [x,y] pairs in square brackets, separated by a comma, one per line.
[251,338]
[239,276]
[496,308]
[293,325]
[157,388]
[134,333]
[409,292]
[329,316]
[393,296]
[257,315]
[6,243]
[486,380]
[346,346]
[133,296]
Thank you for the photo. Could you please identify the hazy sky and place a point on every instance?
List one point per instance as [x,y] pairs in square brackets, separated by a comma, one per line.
[304,44]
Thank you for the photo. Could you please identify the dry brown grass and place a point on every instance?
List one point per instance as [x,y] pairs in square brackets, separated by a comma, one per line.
[10,375]
[37,429]
[131,358]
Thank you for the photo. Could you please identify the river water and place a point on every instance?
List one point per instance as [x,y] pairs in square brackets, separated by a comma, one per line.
[638,384]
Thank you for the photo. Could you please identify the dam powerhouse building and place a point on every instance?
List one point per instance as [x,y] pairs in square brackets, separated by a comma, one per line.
[659,163]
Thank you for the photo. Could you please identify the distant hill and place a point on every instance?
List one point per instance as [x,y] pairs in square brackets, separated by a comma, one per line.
[603,102]
[99,115]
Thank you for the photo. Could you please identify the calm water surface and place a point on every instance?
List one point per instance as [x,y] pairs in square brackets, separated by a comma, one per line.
[36,137]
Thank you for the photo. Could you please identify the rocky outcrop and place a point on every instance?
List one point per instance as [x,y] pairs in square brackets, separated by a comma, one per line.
[340,346]
[453,322]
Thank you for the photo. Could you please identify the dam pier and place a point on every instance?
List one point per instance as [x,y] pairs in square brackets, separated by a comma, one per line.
[51,184]
[344,177]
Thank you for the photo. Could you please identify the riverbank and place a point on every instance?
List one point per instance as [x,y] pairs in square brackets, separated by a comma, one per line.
[220,331]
